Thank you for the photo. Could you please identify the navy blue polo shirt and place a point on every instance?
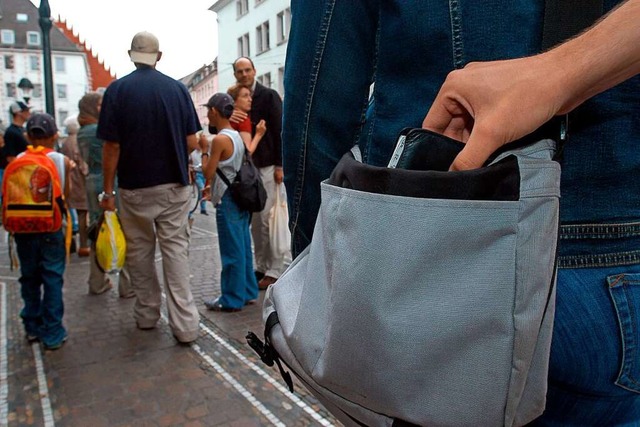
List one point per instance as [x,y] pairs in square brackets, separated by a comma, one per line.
[150,115]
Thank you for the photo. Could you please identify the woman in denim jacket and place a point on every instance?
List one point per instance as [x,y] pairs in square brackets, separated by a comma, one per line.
[409,47]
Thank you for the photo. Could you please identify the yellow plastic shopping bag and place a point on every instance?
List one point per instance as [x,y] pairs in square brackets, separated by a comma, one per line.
[111,246]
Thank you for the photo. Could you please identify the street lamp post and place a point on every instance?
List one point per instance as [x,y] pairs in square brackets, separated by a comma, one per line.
[45,25]
[25,87]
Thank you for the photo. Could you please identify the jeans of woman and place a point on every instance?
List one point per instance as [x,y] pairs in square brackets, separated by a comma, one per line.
[237,281]
[42,263]
[200,183]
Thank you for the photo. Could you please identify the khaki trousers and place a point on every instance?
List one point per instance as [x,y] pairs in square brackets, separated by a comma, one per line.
[160,213]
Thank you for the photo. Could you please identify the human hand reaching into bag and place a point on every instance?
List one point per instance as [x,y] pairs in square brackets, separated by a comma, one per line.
[490,104]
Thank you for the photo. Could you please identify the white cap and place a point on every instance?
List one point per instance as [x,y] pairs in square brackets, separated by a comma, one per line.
[17,107]
[144,48]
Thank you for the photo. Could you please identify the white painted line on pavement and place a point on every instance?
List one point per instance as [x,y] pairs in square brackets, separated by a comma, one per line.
[235,384]
[4,385]
[277,384]
[37,357]
[47,413]
[295,399]
[9,278]
[239,387]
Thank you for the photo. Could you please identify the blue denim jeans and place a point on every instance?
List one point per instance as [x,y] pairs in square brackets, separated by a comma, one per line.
[74,219]
[595,353]
[200,184]
[337,49]
[42,263]
[237,281]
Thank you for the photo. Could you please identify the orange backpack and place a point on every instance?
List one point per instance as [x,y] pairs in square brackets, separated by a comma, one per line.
[32,195]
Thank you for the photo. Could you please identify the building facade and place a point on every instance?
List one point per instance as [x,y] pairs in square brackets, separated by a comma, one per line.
[202,84]
[258,29]
[99,75]
[21,57]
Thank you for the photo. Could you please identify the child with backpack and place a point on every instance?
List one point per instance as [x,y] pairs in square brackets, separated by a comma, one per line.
[237,282]
[33,206]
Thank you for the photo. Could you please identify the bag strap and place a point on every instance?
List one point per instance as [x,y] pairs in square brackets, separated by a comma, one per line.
[565,18]
[266,351]
[245,155]
[39,149]
[222,177]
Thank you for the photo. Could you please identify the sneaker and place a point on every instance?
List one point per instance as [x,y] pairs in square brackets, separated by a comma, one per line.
[215,305]
[56,345]
[32,338]
[204,213]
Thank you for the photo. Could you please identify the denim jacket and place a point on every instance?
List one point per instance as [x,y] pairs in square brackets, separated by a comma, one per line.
[338,48]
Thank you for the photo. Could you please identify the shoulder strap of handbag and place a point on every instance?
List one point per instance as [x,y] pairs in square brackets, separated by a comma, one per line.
[223,177]
[566,18]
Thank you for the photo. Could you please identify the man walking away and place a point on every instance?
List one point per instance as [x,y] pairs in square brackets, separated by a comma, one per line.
[149,144]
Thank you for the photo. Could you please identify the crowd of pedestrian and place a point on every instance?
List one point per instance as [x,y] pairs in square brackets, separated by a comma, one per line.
[118,158]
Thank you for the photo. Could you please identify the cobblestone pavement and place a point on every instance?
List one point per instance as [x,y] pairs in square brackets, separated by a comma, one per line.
[109,373]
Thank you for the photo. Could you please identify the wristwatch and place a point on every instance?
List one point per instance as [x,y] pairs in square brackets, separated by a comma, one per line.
[102,196]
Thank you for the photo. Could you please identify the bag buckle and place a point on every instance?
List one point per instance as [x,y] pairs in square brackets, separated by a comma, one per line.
[269,355]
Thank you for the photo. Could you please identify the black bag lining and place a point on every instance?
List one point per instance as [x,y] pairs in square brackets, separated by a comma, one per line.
[422,172]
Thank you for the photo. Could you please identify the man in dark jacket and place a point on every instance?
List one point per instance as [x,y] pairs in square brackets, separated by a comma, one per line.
[266,106]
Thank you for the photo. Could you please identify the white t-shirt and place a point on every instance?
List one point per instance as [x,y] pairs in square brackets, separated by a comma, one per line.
[58,160]
[195,158]
[229,167]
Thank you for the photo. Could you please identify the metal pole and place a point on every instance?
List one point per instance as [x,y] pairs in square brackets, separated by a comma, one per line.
[45,24]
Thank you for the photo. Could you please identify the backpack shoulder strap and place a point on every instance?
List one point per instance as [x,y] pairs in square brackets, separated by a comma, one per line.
[222,177]
[39,149]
